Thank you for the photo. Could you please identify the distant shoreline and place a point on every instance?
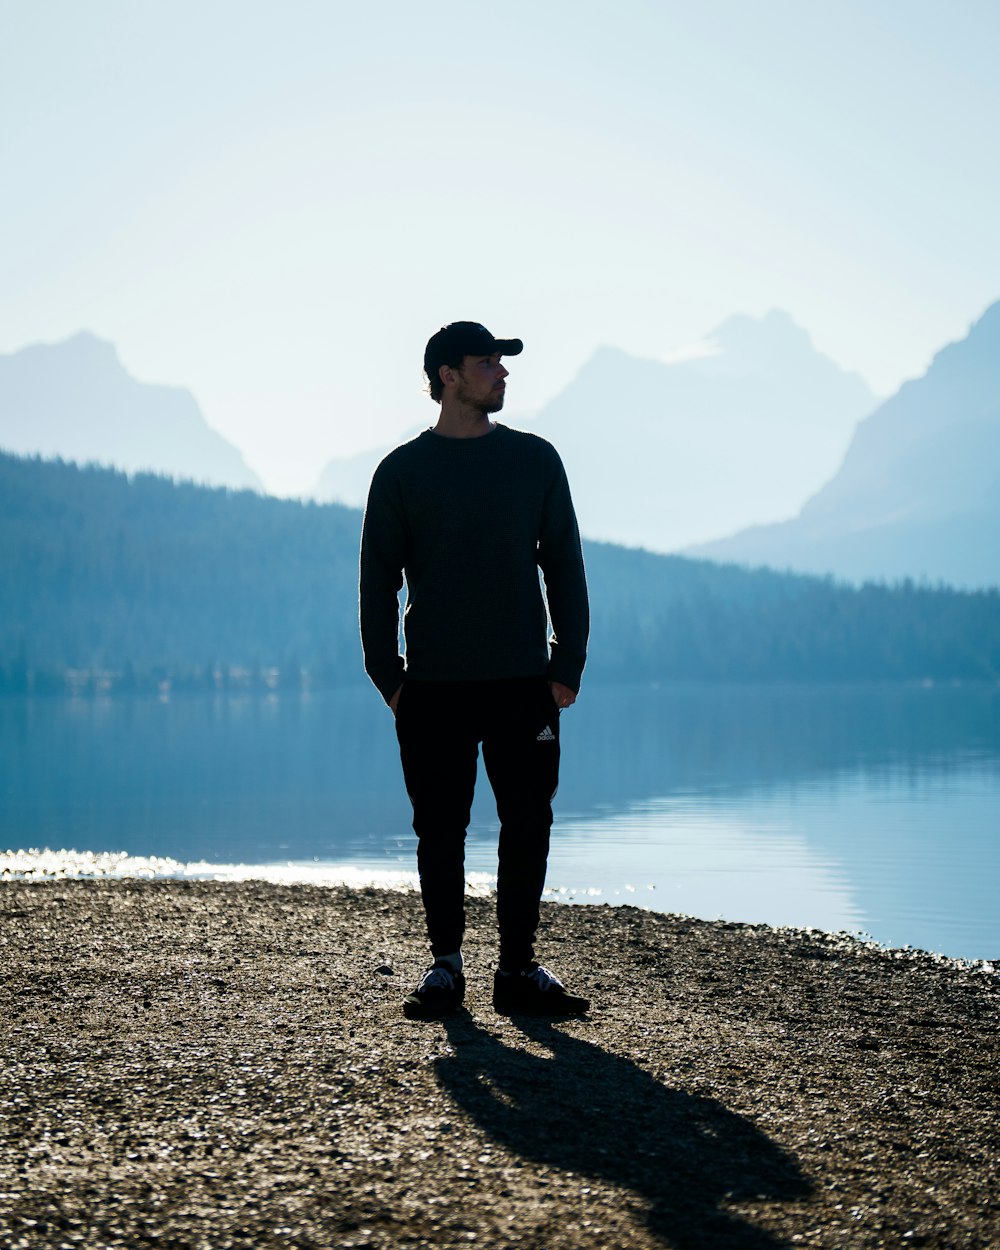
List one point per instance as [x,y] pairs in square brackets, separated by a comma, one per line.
[92,687]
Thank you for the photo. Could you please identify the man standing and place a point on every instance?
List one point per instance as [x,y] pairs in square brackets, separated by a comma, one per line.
[468,513]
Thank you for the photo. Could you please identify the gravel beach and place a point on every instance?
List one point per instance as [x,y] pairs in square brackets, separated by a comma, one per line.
[200,1064]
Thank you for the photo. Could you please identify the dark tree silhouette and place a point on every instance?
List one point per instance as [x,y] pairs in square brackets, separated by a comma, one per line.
[116,582]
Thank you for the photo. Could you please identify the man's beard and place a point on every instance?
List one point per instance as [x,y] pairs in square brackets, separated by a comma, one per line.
[493,403]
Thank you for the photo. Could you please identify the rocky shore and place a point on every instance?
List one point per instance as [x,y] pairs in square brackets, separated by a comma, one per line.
[212,1065]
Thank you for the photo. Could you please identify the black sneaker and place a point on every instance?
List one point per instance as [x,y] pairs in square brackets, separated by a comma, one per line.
[441,989]
[535,992]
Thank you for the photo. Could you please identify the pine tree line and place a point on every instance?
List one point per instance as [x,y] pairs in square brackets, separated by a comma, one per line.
[117,583]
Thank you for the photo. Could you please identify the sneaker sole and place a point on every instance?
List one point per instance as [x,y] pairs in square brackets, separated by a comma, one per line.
[421,1011]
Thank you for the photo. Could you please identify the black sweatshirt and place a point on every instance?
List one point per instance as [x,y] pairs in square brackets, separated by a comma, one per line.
[470,521]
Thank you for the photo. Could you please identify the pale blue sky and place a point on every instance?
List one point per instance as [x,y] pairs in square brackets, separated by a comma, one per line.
[276,203]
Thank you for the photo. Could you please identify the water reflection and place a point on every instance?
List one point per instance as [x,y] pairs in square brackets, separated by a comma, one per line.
[871,808]
[668,855]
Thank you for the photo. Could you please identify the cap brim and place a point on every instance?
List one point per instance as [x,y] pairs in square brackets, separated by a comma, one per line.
[509,347]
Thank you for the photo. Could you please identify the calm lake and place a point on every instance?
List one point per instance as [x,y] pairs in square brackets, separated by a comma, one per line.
[873,809]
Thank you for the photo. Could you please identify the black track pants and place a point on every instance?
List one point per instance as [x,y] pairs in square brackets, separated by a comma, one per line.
[440,726]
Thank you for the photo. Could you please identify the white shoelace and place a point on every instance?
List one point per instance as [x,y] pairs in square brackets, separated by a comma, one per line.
[544,979]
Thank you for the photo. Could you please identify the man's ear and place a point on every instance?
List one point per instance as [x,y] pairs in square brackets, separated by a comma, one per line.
[448,375]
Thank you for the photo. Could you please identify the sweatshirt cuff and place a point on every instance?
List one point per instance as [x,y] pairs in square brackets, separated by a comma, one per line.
[566,669]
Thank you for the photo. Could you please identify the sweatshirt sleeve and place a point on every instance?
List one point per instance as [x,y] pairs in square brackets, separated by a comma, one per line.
[383,552]
[560,557]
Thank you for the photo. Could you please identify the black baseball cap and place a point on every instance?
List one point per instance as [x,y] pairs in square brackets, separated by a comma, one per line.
[464,338]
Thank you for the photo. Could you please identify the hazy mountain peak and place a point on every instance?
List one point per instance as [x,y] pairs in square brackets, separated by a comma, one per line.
[975,357]
[776,329]
[775,337]
[774,343]
[92,344]
[76,400]
[918,492]
[747,424]
[985,328]
[78,349]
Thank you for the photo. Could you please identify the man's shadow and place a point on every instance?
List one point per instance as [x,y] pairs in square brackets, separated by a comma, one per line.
[587,1111]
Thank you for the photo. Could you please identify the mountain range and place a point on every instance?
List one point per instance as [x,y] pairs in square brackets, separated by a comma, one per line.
[750,448]
[740,429]
[918,493]
[75,400]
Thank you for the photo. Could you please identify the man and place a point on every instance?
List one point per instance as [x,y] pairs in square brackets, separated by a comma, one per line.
[468,513]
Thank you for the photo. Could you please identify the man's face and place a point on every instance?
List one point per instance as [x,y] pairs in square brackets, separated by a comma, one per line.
[481,382]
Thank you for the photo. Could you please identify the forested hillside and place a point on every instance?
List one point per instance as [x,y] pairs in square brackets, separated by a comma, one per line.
[112,582]
[148,580]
